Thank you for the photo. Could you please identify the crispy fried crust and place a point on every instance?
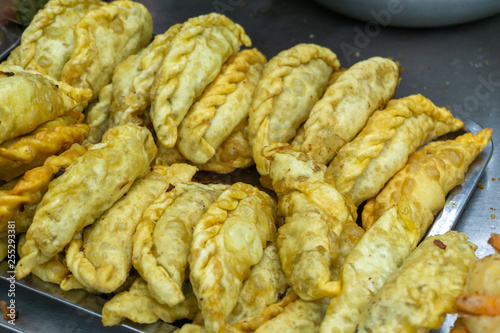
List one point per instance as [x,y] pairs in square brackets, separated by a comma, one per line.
[48,41]
[99,178]
[365,269]
[289,86]
[133,78]
[195,58]
[19,203]
[298,316]
[31,151]
[53,271]
[315,214]
[417,297]
[102,260]
[104,37]
[428,176]
[227,241]
[234,153]
[265,286]
[363,166]
[346,106]
[29,99]
[137,305]
[223,105]
[163,238]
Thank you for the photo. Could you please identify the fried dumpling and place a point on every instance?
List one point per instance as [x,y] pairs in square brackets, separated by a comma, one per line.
[29,151]
[346,106]
[234,153]
[195,58]
[137,305]
[290,84]
[227,241]
[29,99]
[102,260]
[293,313]
[417,297]
[133,78]
[104,37]
[265,285]
[223,105]
[428,176]
[315,214]
[48,41]
[97,179]
[19,203]
[379,252]
[364,165]
[298,316]
[163,238]
[53,271]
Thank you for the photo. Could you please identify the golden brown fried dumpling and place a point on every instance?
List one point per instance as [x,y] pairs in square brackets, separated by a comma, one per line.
[28,99]
[346,106]
[298,316]
[227,241]
[137,305]
[53,271]
[163,237]
[88,187]
[133,78]
[379,252]
[195,58]
[234,153]
[100,263]
[289,86]
[104,37]
[29,151]
[48,41]
[364,165]
[19,203]
[428,176]
[417,297]
[265,285]
[315,214]
[223,105]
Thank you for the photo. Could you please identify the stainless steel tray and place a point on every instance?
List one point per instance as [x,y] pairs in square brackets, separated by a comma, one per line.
[77,311]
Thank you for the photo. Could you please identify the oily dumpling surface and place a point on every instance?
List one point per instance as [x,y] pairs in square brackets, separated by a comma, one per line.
[346,106]
[223,105]
[227,241]
[104,37]
[48,41]
[290,84]
[364,165]
[28,99]
[99,178]
[196,56]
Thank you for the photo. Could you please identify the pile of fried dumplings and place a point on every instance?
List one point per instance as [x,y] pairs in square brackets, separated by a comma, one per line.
[103,129]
